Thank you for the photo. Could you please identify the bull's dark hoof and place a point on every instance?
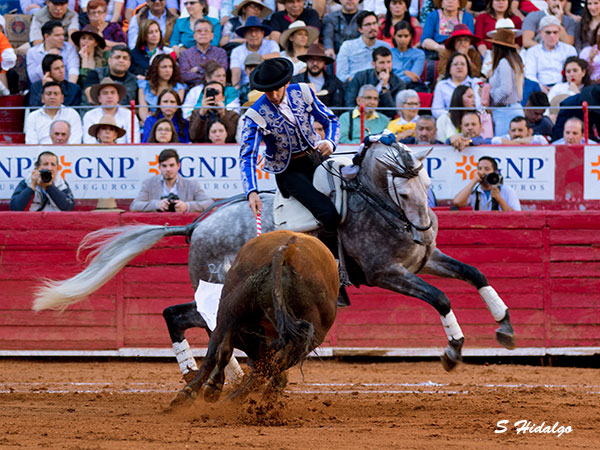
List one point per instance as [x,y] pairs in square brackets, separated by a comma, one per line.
[184,397]
[188,377]
[453,354]
[505,335]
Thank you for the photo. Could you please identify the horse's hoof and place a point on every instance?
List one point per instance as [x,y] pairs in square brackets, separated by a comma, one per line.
[211,393]
[188,377]
[505,335]
[184,397]
[453,354]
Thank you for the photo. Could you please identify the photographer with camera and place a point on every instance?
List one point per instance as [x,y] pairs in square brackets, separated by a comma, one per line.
[485,191]
[213,107]
[42,190]
[169,191]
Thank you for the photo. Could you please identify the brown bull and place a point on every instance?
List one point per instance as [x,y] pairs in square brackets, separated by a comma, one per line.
[278,303]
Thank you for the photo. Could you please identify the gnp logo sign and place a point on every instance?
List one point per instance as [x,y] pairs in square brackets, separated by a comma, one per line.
[528,170]
[591,173]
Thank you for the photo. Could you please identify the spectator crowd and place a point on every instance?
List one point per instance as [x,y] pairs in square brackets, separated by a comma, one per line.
[431,71]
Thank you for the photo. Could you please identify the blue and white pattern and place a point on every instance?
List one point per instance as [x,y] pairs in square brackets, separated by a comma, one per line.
[283,138]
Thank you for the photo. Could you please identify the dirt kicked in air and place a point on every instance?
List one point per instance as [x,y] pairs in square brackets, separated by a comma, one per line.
[337,405]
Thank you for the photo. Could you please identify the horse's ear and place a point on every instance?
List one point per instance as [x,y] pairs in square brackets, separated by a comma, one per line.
[421,155]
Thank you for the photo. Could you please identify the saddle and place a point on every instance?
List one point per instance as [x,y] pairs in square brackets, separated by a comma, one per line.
[290,214]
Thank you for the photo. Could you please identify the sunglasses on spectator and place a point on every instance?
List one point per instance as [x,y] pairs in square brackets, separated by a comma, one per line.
[156,1]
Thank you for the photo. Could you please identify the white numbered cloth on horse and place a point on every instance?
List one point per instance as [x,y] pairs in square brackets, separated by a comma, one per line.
[207,299]
[290,214]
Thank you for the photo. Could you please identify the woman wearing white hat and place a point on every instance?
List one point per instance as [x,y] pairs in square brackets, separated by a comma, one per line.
[295,42]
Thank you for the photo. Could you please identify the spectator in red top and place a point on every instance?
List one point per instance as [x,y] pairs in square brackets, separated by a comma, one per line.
[397,10]
[486,22]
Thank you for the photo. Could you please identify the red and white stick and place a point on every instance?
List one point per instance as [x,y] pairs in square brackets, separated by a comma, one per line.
[258,224]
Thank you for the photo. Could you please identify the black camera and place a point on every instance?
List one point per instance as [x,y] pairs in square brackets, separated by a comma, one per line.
[171,198]
[494,179]
[45,176]
[211,92]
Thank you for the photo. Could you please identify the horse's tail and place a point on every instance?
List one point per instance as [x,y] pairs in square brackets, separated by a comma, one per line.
[298,332]
[113,249]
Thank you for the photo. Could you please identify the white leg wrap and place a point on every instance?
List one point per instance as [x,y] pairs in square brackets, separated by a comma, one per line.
[184,356]
[233,371]
[451,326]
[493,302]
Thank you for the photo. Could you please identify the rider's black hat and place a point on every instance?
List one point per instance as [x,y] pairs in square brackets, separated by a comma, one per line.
[271,74]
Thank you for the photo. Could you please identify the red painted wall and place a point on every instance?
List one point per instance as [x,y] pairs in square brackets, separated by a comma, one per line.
[544,264]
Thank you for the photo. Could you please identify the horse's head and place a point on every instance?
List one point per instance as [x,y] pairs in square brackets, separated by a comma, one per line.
[398,173]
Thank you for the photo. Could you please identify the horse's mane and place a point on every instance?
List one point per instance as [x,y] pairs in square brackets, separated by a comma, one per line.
[399,162]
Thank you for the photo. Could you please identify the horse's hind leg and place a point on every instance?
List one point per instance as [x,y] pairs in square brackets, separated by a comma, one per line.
[396,278]
[443,265]
[179,318]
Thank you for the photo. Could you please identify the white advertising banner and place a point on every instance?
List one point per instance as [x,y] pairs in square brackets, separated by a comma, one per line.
[118,171]
[591,173]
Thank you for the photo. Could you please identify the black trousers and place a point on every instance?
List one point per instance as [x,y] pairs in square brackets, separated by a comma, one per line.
[297,181]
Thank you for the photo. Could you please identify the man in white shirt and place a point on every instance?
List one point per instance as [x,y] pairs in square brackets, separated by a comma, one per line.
[544,62]
[519,133]
[37,124]
[54,42]
[108,94]
[573,133]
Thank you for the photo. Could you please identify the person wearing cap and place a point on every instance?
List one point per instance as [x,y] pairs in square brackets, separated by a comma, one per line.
[496,10]
[156,193]
[463,41]
[54,10]
[340,26]
[91,47]
[544,62]
[293,10]
[251,62]
[254,32]
[295,41]
[381,76]
[440,23]
[184,34]
[106,131]
[119,62]
[37,124]
[108,94]
[356,54]
[54,42]
[240,13]
[34,194]
[152,10]
[328,88]
[506,81]
[54,70]
[8,58]
[567,27]
[282,119]
[193,59]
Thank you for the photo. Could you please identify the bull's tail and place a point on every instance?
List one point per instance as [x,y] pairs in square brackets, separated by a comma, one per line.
[113,249]
[297,332]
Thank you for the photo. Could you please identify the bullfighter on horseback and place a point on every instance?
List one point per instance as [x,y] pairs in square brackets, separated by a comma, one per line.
[282,118]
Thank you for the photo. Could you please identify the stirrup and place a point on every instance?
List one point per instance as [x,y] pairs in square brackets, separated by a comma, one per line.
[343,300]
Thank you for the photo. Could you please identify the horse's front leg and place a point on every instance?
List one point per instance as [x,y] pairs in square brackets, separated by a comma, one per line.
[443,265]
[396,278]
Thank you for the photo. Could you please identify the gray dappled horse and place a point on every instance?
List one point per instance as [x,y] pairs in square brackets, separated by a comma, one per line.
[388,237]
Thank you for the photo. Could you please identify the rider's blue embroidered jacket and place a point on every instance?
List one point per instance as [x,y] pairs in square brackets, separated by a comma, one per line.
[264,121]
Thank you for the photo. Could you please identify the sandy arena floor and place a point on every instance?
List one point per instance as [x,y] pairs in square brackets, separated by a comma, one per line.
[338,405]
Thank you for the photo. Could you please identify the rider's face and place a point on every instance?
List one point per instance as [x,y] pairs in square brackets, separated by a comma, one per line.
[277,95]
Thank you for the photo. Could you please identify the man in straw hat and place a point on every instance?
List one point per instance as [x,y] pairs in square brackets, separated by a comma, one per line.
[328,87]
[107,94]
[282,118]
[106,131]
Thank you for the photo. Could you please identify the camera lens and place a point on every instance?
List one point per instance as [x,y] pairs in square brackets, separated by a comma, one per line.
[492,178]
[45,176]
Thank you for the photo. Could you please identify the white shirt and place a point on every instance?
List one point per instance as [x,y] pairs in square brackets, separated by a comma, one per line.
[561,89]
[538,139]
[122,119]
[443,91]
[37,125]
[545,66]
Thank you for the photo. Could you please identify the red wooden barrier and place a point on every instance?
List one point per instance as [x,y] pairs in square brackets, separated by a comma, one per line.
[545,265]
